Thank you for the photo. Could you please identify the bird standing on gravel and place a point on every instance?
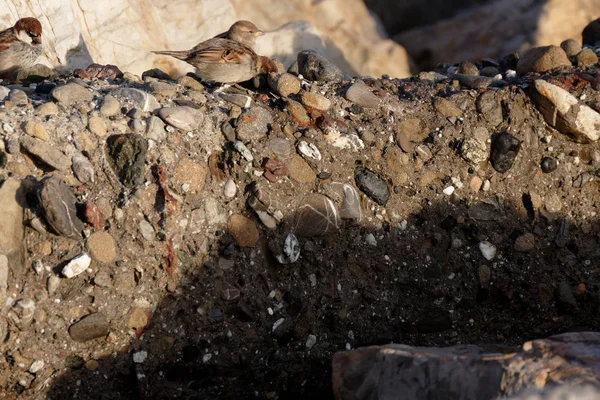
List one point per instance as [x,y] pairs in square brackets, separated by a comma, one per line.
[20,46]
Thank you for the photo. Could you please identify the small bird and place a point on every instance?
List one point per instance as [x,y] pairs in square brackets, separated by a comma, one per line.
[20,46]
[244,32]
[220,60]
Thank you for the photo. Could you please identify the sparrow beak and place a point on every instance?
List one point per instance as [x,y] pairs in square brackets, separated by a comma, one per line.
[37,39]
[259,33]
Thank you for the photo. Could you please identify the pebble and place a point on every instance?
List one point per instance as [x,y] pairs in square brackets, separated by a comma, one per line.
[76,266]
[18,97]
[145,101]
[58,206]
[36,366]
[476,183]
[4,91]
[370,240]
[504,150]
[468,68]
[488,250]
[243,230]
[586,57]
[155,129]
[309,150]
[164,89]
[97,126]
[138,319]
[446,107]
[253,124]
[372,185]
[351,207]
[300,171]
[566,300]
[525,242]
[549,164]
[489,105]
[315,67]
[317,215]
[298,112]
[191,173]
[406,145]
[291,250]
[37,130]
[156,73]
[182,117]
[412,129]
[46,109]
[284,84]
[562,111]
[71,94]
[147,230]
[449,190]
[52,284]
[230,189]
[139,357]
[362,95]
[82,168]
[103,279]
[191,83]
[126,155]
[110,106]
[311,340]
[102,247]
[591,33]
[93,215]
[243,150]
[542,59]
[92,326]
[23,312]
[315,101]
[46,153]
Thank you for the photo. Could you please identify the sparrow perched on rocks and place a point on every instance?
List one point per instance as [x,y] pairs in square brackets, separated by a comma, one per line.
[20,46]
[244,32]
[224,61]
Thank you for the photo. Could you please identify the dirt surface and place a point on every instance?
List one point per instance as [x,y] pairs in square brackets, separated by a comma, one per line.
[197,303]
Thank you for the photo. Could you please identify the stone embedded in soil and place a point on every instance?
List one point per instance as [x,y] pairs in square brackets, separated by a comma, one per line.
[18,97]
[412,128]
[145,101]
[230,189]
[46,152]
[97,126]
[446,107]
[490,106]
[300,171]
[372,185]
[548,164]
[404,143]
[71,94]
[298,112]
[126,155]
[284,84]
[76,266]
[362,95]
[291,250]
[586,57]
[591,33]
[317,215]
[82,168]
[565,298]
[542,59]
[102,247]
[253,124]
[488,250]
[182,117]
[191,173]
[315,67]
[315,101]
[351,207]
[243,230]
[525,242]
[58,205]
[110,106]
[37,130]
[93,215]
[138,319]
[504,151]
[562,111]
[90,327]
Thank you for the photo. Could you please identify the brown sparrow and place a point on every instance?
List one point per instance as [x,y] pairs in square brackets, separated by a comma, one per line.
[20,46]
[224,61]
[244,32]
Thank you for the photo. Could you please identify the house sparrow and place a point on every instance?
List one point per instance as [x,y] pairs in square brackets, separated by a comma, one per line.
[20,46]
[224,61]
[244,32]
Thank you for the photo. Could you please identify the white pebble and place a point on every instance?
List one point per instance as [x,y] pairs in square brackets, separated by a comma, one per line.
[510,73]
[76,266]
[230,189]
[486,185]
[309,150]
[206,357]
[370,239]
[488,250]
[140,356]
[449,190]
[36,366]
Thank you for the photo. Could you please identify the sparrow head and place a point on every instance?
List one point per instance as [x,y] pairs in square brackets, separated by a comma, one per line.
[29,30]
[244,32]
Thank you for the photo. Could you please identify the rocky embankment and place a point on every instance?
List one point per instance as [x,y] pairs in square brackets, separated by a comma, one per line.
[163,239]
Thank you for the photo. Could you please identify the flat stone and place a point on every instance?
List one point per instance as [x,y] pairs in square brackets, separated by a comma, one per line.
[126,155]
[182,117]
[191,173]
[362,95]
[191,83]
[300,171]
[476,183]
[243,230]
[18,97]
[45,152]
[97,126]
[144,100]
[372,185]
[71,94]
[36,130]
[315,101]
[562,111]
[163,89]
[315,67]
[155,129]
[90,327]
[542,59]
[57,203]
[102,247]
[317,215]
[446,107]
[48,108]
[76,266]
[351,206]
[525,242]
[253,124]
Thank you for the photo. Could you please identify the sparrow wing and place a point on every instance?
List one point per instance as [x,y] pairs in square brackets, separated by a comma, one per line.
[222,51]
[6,37]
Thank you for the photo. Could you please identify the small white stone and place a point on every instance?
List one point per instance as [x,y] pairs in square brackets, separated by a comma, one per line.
[230,189]
[309,150]
[313,280]
[370,239]
[449,190]
[486,185]
[36,366]
[511,73]
[76,266]
[270,311]
[291,250]
[311,340]
[140,356]
[488,250]
[277,323]
[206,358]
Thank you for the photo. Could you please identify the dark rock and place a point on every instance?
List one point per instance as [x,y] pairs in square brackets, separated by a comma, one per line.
[90,327]
[46,153]
[468,68]
[504,151]
[37,73]
[566,300]
[45,88]
[126,155]
[548,164]
[156,73]
[293,68]
[253,124]
[57,203]
[591,33]
[372,185]
[315,67]
[490,71]
[3,159]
